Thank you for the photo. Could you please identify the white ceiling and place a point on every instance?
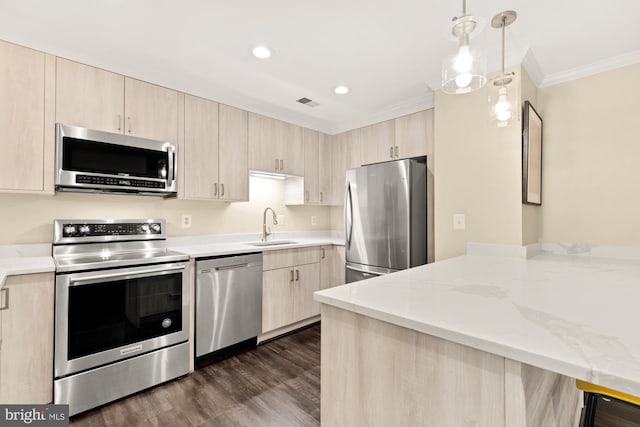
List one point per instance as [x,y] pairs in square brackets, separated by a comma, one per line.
[388,52]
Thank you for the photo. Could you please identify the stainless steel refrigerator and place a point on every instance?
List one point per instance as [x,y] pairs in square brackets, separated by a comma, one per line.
[385,218]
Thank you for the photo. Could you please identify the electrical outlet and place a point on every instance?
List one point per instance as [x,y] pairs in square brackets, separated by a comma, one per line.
[459,222]
[314,220]
[281,219]
[186,221]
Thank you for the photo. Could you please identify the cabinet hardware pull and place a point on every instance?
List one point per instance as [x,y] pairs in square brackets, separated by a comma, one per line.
[397,155]
[276,164]
[323,254]
[391,152]
[215,189]
[119,123]
[281,164]
[297,275]
[5,306]
[221,190]
[129,123]
[291,271]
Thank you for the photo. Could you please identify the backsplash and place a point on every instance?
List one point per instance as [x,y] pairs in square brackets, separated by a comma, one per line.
[29,218]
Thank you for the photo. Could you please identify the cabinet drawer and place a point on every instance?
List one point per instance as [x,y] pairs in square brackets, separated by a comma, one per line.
[290,257]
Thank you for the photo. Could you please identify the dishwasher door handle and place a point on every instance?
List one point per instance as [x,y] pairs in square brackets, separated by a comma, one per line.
[231,267]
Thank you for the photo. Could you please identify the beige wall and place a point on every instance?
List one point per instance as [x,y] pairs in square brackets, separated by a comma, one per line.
[477,173]
[29,219]
[591,158]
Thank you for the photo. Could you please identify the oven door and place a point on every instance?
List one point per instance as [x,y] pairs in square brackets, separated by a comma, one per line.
[103,316]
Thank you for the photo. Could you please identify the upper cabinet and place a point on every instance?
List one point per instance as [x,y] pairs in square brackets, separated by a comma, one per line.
[150,111]
[345,155]
[325,169]
[414,135]
[89,97]
[401,138]
[97,99]
[233,145]
[215,151]
[26,111]
[275,146]
[378,143]
[312,167]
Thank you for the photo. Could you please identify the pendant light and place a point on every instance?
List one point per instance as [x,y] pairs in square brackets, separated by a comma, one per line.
[503,108]
[465,70]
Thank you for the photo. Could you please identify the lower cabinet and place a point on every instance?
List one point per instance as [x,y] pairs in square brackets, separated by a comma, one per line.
[26,334]
[331,266]
[290,278]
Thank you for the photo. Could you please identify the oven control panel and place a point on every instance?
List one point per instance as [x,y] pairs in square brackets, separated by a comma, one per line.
[68,231]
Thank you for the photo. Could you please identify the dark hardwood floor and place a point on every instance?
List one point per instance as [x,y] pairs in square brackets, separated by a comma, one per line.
[277,384]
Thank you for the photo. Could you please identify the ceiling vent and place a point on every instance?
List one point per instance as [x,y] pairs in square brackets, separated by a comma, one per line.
[308,102]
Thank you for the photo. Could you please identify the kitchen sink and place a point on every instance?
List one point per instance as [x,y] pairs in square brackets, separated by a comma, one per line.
[271,243]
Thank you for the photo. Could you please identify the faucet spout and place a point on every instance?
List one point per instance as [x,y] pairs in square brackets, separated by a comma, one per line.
[266,231]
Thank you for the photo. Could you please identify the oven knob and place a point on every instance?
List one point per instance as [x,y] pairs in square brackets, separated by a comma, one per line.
[156,227]
[84,229]
[166,323]
[69,229]
[144,228]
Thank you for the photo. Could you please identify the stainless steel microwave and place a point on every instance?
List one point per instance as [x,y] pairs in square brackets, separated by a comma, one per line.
[102,162]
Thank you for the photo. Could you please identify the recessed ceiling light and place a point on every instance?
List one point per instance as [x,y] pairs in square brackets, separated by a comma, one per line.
[341,90]
[261,52]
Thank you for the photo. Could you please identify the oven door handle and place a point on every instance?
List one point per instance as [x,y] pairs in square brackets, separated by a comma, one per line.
[124,275]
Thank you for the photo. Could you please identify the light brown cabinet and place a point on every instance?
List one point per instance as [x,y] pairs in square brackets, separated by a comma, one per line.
[289,279]
[401,138]
[275,146]
[151,111]
[345,155]
[312,169]
[26,119]
[378,143]
[414,135]
[89,97]
[26,334]
[97,99]
[332,264]
[215,151]
[325,169]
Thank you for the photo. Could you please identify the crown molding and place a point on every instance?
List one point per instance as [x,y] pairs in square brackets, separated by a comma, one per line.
[413,105]
[531,66]
[591,69]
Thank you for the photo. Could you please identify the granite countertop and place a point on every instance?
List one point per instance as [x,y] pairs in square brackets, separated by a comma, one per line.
[215,245]
[575,315]
[36,258]
[25,259]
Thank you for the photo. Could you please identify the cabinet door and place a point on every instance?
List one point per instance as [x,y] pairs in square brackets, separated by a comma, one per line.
[22,110]
[277,299]
[377,142]
[264,136]
[332,265]
[338,168]
[292,150]
[150,111]
[414,134]
[311,140]
[26,355]
[200,148]
[232,163]
[89,97]
[325,170]
[306,282]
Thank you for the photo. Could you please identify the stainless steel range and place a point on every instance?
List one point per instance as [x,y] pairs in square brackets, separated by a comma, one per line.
[121,310]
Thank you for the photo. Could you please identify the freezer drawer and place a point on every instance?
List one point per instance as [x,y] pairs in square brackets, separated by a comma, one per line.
[228,301]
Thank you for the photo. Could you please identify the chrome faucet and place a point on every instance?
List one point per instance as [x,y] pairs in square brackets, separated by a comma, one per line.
[266,231]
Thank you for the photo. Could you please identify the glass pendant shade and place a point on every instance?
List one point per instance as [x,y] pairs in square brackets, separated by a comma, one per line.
[464,71]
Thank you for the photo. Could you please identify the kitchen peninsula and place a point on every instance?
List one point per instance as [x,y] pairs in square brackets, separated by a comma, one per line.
[493,338]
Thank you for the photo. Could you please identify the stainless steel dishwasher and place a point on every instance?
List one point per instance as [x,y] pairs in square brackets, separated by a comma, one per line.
[228,305]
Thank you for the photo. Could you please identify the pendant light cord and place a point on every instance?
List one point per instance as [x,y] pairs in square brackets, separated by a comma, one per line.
[504,18]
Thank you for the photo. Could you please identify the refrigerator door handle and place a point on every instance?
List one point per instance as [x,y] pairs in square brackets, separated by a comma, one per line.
[348,224]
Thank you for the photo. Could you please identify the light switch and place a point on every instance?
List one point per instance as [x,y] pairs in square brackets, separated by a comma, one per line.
[459,222]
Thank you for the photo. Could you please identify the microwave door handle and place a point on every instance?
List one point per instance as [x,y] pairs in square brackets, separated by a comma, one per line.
[123,275]
[172,166]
